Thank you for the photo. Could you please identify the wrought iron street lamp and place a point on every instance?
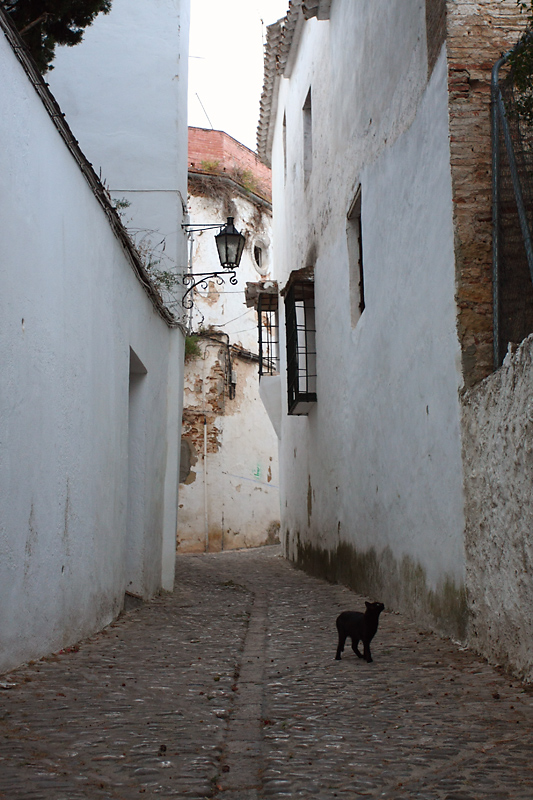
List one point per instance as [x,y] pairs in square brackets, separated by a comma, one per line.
[230,245]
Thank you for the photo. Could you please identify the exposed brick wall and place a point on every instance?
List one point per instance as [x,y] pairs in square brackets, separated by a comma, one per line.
[215,151]
[478,31]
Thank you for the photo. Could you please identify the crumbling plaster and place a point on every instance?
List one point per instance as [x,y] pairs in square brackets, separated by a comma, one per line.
[230,499]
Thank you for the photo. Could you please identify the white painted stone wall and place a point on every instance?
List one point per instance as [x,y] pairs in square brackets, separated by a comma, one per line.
[372,479]
[124,92]
[498,455]
[237,498]
[72,310]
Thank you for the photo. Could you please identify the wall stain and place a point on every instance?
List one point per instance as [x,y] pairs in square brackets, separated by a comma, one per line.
[309,501]
[31,540]
[66,539]
[401,585]
[272,536]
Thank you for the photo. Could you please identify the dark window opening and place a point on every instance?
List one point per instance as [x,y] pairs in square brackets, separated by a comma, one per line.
[355,260]
[301,346]
[258,256]
[308,136]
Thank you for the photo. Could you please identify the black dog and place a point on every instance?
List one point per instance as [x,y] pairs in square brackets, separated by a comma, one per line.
[359,627]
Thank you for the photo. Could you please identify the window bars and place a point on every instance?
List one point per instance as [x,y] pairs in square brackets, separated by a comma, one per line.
[512,214]
[301,346]
[268,325]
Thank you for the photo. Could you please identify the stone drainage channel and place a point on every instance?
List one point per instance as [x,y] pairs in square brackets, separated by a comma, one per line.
[228,689]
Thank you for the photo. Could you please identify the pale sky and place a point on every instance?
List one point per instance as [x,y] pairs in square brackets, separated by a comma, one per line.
[226,63]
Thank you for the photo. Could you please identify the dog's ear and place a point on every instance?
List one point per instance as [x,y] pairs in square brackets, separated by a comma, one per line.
[368,605]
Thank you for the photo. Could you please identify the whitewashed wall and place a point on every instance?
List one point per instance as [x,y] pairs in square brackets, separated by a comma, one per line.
[72,310]
[372,478]
[124,92]
[233,491]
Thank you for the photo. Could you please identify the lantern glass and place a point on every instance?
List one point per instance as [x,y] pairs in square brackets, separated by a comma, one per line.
[230,245]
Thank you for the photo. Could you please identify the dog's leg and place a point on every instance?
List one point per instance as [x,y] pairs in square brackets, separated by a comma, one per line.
[355,648]
[366,652]
[340,648]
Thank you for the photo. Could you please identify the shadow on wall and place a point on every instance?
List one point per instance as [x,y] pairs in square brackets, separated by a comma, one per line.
[400,585]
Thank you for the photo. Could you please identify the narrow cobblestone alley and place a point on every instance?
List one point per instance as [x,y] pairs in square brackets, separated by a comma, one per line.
[229,689]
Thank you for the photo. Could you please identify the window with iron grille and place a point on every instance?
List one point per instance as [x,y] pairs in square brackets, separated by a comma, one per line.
[301,346]
[268,324]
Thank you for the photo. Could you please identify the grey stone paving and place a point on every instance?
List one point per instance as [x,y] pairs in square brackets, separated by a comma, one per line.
[228,689]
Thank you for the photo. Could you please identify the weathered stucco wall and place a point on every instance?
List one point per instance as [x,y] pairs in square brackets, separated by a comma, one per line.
[372,479]
[498,457]
[231,492]
[89,430]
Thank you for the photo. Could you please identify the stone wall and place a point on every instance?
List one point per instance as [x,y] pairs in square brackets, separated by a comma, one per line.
[498,460]
[478,31]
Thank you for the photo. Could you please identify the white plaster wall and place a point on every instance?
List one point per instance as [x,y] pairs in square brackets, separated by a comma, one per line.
[498,451]
[242,475]
[124,92]
[71,309]
[376,466]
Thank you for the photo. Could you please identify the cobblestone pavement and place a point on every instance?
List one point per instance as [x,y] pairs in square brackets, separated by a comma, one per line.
[228,689]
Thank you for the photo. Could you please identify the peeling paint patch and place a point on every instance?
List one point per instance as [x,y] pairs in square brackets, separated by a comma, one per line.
[212,295]
[193,429]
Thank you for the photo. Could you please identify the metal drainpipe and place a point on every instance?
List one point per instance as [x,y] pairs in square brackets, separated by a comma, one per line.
[189,271]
